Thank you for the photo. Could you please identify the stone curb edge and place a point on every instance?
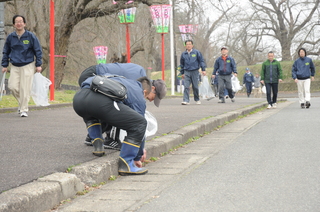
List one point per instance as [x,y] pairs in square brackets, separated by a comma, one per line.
[47,192]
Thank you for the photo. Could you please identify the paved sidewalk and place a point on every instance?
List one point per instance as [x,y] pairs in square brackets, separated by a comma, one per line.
[34,165]
[46,192]
[131,192]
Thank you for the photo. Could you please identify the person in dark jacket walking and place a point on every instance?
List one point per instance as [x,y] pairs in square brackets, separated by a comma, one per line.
[225,66]
[128,115]
[302,70]
[248,81]
[191,60]
[271,75]
[23,50]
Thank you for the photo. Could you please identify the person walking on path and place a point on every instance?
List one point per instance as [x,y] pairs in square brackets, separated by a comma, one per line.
[225,66]
[271,75]
[302,70]
[257,86]
[214,83]
[23,50]
[191,60]
[248,80]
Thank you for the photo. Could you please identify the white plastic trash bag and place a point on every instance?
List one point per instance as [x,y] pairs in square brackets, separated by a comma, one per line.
[205,90]
[263,89]
[152,126]
[2,85]
[40,89]
[235,84]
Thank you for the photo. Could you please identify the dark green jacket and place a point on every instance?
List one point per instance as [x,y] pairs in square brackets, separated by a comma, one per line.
[271,72]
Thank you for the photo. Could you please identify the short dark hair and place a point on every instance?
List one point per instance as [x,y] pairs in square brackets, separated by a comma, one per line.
[188,41]
[302,49]
[16,16]
[146,84]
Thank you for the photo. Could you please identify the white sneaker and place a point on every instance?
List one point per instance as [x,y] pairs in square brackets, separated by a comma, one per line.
[24,114]
[233,99]
[269,106]
[274,105]
[198,102]
[185,103]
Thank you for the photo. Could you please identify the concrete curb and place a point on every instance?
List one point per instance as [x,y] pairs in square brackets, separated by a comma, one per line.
[47,192]
[42,194]
[14,109]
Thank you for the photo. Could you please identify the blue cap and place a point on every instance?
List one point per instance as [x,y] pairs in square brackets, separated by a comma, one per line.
[247,69]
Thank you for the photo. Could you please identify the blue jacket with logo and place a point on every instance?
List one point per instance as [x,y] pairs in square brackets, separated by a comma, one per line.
[192,61]
[128,70]
[248,77]
[135,98]
[303,68]
[224,67]
[21,52]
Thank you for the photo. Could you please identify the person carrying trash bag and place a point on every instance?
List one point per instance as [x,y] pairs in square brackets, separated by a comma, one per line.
[128,115]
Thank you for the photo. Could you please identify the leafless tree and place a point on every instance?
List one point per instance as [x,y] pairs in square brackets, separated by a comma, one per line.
[283,20]
[72,12]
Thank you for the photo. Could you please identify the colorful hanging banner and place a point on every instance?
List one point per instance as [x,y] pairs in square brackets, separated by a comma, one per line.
[101,53]
[127,16]
[188,31]
[161,17]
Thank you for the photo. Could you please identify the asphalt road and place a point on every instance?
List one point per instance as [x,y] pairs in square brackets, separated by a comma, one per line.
[51,140]
[273,166]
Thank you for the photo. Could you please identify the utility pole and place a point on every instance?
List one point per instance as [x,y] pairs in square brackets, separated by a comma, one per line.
[2,39]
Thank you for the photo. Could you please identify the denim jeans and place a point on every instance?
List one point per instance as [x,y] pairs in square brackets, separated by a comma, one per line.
[274,88]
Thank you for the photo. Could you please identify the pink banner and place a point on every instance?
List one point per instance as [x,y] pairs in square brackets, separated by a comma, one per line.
[101,53]
[188,29]
[161,17]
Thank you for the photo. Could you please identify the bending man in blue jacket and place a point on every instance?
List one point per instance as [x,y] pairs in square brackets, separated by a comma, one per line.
[191,60]
[129,71]
[128,115]
[302,69]
[224,65]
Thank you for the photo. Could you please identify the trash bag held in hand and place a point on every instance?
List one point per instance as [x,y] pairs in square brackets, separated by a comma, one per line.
[205,90]
[235,84]
[2,85]
[152,126]
[40,89]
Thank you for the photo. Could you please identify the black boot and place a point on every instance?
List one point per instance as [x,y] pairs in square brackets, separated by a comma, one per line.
[94,131]
[98,147]
[308,104]
[88,141]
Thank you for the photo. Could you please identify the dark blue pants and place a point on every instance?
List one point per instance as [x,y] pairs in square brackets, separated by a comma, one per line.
[191,77]
[249,87]
[224,82]
[274,88]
